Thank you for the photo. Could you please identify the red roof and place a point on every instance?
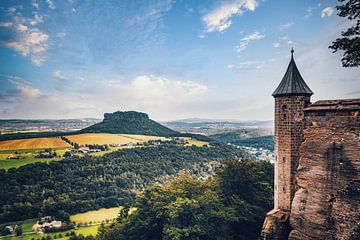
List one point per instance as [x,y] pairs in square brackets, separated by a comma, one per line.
[335,105]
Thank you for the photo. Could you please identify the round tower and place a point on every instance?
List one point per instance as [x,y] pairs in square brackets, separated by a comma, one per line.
[291,96]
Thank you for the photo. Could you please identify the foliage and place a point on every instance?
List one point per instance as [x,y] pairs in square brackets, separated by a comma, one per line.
[256,142]
[80,184]
[232,205]
[350,40]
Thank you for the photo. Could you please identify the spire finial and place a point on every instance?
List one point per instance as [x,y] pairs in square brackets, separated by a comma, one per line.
[292,51]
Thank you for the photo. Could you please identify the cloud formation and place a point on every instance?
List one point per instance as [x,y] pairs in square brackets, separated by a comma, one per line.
[59,75]
[285,26]
[219,19]
[244,42]
[327,12]
[158,95]
[26,39]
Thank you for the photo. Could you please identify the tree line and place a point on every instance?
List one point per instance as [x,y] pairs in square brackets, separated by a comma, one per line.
[79,184]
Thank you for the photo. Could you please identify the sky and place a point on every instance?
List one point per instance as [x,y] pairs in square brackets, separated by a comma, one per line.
[173,59]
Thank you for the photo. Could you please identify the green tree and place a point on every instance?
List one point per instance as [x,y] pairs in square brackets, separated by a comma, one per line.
[349,42]
[18,230]
[232,205]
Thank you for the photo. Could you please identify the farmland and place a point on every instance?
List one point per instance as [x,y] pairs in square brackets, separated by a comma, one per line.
[87,223]
[17,153]
[18,158]
[96,216]
[86,231]
[33,143]
[108,138]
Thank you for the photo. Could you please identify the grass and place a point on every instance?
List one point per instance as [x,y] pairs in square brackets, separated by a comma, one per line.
[108,138]
[26,157]
[96,216]
[25,224]
[33,143]
[195,142]
[86,231]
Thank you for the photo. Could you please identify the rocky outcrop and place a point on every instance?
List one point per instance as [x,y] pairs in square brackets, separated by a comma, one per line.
[276,225]
[327,202]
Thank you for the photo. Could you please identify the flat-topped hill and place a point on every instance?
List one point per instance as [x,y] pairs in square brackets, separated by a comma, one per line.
[129,122]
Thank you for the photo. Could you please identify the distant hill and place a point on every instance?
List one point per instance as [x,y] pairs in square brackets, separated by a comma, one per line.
[129,122]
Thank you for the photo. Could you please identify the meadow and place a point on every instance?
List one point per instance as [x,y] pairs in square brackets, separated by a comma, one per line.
[25,156]
[97,216]
[87,223]
[86,231]
[109,138]
[195,142]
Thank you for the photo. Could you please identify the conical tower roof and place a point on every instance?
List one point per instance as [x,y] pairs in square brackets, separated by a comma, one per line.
[292,82]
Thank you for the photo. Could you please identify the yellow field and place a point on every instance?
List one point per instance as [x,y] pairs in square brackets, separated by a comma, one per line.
[96,216]
[109,138]
[195,142]
[33,143]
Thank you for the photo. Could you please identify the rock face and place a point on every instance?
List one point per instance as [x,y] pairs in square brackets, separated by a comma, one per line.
[276,225]
[327,202]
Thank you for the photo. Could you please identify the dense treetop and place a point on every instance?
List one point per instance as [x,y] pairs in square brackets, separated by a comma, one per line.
[79,184]
[231,205]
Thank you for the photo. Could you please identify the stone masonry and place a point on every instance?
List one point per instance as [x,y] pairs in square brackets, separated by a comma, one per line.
[317,165]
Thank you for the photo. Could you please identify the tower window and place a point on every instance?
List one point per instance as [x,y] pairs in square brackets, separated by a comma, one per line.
[284,108]
[283,189]
[283,159]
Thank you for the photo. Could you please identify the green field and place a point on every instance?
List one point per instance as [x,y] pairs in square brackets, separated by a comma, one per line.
[196,143]
[26,224]
[96,216]
[86,231]
[26,157]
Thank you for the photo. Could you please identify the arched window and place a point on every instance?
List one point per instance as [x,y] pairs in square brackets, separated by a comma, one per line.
[284,108]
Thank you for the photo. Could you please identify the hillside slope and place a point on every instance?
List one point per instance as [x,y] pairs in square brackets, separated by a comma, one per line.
[130,122]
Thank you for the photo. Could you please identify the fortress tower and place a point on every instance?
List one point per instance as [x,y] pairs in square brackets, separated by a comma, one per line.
[317,165]
[291,97]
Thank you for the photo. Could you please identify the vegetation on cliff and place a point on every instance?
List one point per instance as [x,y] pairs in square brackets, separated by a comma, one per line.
[231,205]
[129,123]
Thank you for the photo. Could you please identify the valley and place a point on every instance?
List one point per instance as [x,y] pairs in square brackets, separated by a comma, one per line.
[87,174]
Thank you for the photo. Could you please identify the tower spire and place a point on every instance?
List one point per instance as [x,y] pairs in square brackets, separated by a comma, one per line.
[292,82]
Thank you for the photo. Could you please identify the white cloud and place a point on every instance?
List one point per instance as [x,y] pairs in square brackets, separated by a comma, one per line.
[6,24]
[327,12]
[50,4]
[157,95]
[276,45]
[35,4]
[285,26]
[246,65]
[36,20]
[219,19]
[31,43]
[309,11]
[247,39]
[58,74]
[22,89]
[21,28]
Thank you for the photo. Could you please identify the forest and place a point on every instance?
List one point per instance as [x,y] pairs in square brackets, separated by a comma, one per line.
[230,205]
[80,184]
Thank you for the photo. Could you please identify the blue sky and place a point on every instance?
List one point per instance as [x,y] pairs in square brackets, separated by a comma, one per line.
[170,59]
